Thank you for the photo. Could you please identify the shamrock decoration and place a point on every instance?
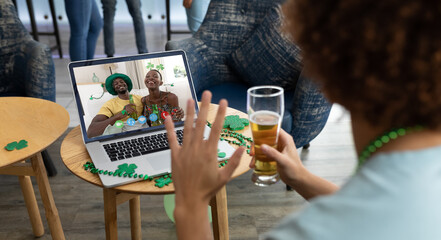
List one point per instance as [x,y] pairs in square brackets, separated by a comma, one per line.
[160,67]
[221,154]
[126,168]
[150,66]
[235,123]
[161,182]
[102,94]
[16,145]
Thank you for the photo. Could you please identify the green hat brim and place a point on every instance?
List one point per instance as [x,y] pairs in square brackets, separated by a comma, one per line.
[111,78]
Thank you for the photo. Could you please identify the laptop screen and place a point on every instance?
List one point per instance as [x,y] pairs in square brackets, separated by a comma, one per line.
[132,94]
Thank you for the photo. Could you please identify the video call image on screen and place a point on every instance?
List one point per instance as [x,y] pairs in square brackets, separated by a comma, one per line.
[132,94]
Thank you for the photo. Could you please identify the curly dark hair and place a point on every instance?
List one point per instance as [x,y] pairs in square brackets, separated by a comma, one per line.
[379,59]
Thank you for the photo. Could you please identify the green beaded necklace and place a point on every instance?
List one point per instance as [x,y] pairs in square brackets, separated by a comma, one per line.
[383,139]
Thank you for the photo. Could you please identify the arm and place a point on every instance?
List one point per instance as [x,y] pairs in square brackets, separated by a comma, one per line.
[101,121]
[194,187]
[187,3]
[174,102]
[293,172]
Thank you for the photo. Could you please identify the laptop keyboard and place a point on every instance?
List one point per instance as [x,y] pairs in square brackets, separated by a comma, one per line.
[139,146]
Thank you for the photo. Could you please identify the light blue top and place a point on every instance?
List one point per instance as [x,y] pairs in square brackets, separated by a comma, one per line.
[394,196]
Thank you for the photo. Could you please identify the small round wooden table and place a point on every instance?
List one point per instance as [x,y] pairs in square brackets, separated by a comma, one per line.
[40,123]
[74,155]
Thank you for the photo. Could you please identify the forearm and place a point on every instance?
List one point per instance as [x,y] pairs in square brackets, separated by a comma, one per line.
[97,128]
[192,221]
[309,185]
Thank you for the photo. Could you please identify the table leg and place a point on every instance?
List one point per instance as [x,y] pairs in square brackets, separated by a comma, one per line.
[51,211]
[135,218]
[110,217]
[219,213]
[31,205]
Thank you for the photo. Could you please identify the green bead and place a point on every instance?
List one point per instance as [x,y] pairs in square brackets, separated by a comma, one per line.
[378,144]
[110,173]
[366,153]
[140,175]
[135,176]
[393,135]
[146,177]
[372,148]
[401,132]
[106,172]
[385,139]
[125,174]
[131,175]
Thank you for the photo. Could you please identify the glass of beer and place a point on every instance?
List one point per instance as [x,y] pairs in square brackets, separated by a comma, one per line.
[265,106]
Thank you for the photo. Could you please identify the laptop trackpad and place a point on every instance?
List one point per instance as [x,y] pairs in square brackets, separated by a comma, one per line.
[160,163]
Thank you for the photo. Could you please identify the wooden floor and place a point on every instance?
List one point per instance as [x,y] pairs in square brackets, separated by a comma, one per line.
[252,210]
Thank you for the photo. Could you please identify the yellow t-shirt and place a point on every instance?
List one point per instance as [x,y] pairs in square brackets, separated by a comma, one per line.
[115,105]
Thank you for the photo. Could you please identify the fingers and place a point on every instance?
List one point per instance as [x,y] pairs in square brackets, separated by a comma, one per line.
[130,108]
[218,123]
[253,159]
[233,162]
[202,116]
[253,162]
[273,154]
[284,137]
[171,134]
[188,124]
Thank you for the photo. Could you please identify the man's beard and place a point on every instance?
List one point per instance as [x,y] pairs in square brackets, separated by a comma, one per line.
[121,91]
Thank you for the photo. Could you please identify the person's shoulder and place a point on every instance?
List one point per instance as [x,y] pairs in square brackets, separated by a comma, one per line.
[171,95]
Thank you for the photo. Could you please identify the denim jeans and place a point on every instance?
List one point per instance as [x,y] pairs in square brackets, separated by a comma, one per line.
[109,8]
[196,14]
[85,25]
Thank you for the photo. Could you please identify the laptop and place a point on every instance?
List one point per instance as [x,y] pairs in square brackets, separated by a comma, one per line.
[136,146]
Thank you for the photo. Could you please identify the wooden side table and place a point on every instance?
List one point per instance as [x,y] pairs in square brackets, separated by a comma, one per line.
[40,123]
[74,155]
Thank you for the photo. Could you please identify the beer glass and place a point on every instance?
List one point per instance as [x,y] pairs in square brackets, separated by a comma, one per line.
[265,106]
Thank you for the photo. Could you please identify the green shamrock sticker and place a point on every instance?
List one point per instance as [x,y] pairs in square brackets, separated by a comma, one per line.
[234,122]
[16,145]
[161,182]
[126,168]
